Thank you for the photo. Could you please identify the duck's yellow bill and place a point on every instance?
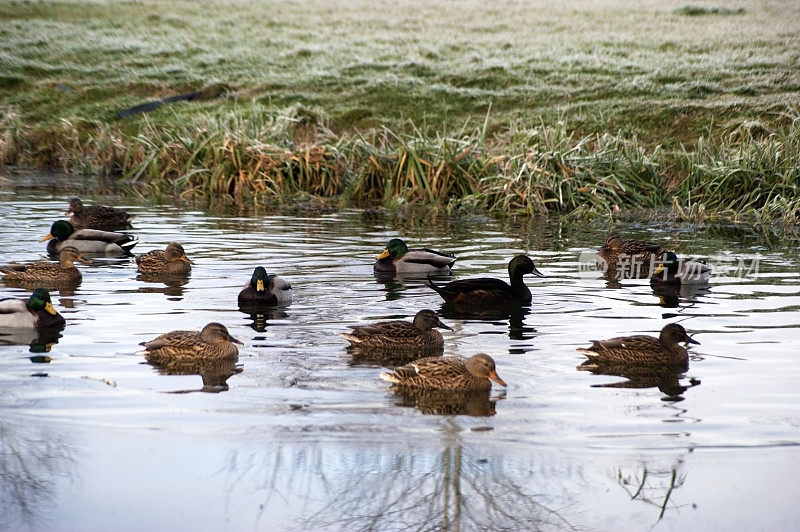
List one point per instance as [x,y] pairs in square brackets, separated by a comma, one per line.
[384,254]
[659,269]
[48,307]
[260,285]
[48,237]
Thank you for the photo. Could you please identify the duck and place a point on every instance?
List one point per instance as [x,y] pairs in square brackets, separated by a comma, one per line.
[264,289]
[65,272]
[63,234]
[642,349]
[420,333]
[490,291]
[627,258]
[212,343]
[171,260]
[676,271]
[446,373]
[97,216]
[397,258]
[34,313]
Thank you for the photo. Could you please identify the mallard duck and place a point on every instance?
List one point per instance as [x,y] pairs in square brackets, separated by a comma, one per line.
[168,261]
[62,234]
[35,312]
[397,333]
[98,216]
[213,342]
[642,349]
[446,373]
[64,272]
[489,291]
[631,259]
[265,289]
[397,258]
[673,270]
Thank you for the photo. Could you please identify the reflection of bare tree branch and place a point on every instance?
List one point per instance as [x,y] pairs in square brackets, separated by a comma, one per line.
[31,464]
[652,486]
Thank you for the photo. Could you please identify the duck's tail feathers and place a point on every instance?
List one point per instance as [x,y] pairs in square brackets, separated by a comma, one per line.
[437,289]
[389,377]
[350,338]
[128,242]
[587,351]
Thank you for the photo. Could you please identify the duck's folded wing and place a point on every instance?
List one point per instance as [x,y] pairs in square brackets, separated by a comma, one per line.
[387,328]
[123,240]
[428,256]
[12,306]
[486,284]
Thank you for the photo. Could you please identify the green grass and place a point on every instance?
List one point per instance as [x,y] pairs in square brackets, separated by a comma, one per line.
[631,94]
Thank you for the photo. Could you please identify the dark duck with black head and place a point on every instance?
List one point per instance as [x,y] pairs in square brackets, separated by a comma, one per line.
[265,289]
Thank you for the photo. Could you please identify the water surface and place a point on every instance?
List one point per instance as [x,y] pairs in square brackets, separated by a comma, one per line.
[307,437]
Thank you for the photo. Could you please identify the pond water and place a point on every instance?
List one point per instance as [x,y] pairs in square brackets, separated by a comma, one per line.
[308,437]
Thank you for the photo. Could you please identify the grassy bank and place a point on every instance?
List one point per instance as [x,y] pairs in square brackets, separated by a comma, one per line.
[557,106]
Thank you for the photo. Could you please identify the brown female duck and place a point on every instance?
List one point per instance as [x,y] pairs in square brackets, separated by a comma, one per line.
[98,216]
[642,349]
[169,261]
[47,273]
[213,342]
[631,259]
[446,373]
[401,334]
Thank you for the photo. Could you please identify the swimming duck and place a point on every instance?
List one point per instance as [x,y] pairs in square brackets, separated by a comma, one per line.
[642,349]
[397,333]
[63,234]
[489,291]
[213,342]
[97,216]
[64,272]
[168,261]
[265,289]
[672,270]
[397,258]
[34,313]
[629,258]
[446,373]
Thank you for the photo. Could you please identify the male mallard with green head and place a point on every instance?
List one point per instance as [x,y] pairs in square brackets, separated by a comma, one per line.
[35,312]
[420,333]
[63,234]
[97,216]
[264,289]
[446,373]
[629,259]
[171,260]
[672,270]
[397,258]
[213,342]
[64,272]
[490,291]
[642,349]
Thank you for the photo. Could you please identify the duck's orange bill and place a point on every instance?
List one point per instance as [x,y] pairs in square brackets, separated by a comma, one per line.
[384,254]
[496,378]
[48,237]
[186,259]
[48,307]
[260,285]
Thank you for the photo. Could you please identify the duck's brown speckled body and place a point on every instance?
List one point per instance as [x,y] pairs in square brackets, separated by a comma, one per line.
[400,334]
[47,273]
[213,342]
[170,261]
[629,259]
[642,349]
[446,373]
[98,216]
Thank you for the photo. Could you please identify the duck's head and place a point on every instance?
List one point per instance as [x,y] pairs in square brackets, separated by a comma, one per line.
[217,332]
[394,248]
[60,230]
[40,300]
[75,206]
[669,262]
[482,365]
[613,240]
[70,254]
[259,280]
[427,319]
[174,252]
[675,333]
[522,265]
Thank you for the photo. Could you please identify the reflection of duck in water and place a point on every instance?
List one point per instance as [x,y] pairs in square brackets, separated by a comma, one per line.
[642,349]
[214,372]
[63,234]
[98,216]
[265,289]
[627,259]
[34,313]
[666,378]
[676,271]
[448,402]
[168,262]
[671,295]
[213,342]
[420,333]
[446,373]
[40,339]
[397,258]
[489,291]
[47,273]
